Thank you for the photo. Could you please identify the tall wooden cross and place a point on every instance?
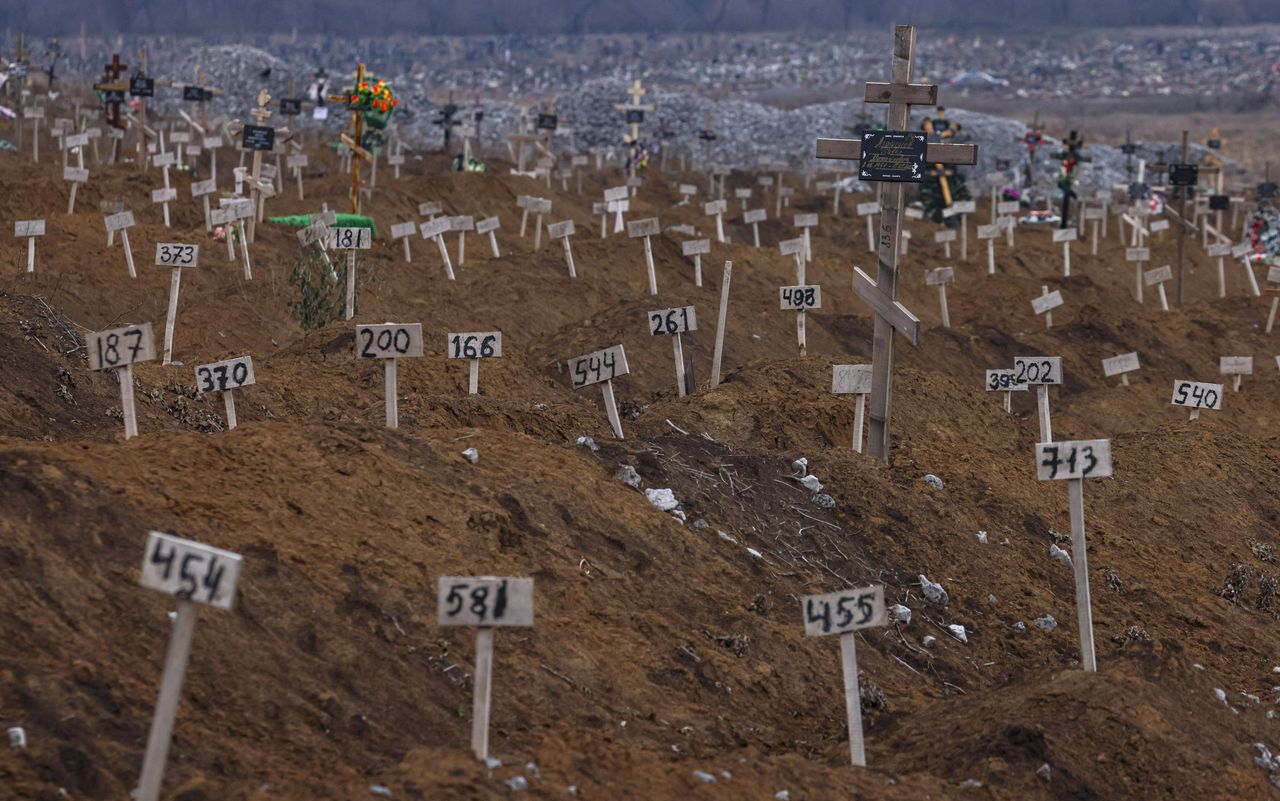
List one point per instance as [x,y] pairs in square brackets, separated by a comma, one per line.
[635,111]
[707,135]
[881,294]
[112,83]
[1184,177]
[353,141]
[21,69]
[260,115]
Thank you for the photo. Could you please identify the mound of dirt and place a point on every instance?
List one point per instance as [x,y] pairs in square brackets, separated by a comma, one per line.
[668,660]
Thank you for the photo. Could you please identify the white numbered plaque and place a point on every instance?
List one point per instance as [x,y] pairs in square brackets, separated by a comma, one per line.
[116,222]
[944,236]
[1235,365]
[1045,303]
[1038,369]
[475,345]
[1158,276]
[965,206]
[680,320]
[175,254]
[806,220]
[804,296]
[1116,365]
[645,227]
[350,238]
[28,228]
[754,216]
[117,347]
[389,340]
[851,379]
[437,227]
[1085,458]
[941,275]
[1196,395]
[190,571]
[1064,235]
[225,375]
[484,601]
[868,208]
[163,195]
[844,611]
[1137,254]
[401,230]
[488,224]
[561,229]
[1004,381]
[715,207]
[601,365]
[695,247]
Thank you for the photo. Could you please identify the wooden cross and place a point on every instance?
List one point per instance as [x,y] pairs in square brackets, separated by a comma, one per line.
[205,94]
[20,55]
[112,83]
[942,128]
[353,141]
[635,93]
[1214,141]
[1183,189]
[900,94]
[707,135]
[942,172]
[260,115]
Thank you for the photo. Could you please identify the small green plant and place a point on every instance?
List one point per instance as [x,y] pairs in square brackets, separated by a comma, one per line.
[321,296]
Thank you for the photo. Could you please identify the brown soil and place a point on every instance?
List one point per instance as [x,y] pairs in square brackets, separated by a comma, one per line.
[660,648]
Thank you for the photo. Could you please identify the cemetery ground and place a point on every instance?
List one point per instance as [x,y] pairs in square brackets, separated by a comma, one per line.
[661,648]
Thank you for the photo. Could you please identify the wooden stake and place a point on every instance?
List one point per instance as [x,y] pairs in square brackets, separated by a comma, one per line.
[392,399]
[1080,564]
[1042,402]
[679,355]
[473,377]
[126,402]
[229,401]
[175,280]
[483,685]
[852,697]
[611,407]
[724,309]
[175,669]
[350,310]
[859,410]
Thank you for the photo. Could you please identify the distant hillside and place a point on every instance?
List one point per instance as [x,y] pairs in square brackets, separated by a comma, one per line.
[230,17]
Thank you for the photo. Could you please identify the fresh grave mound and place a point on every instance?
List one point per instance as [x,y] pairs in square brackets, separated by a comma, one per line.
[331,676]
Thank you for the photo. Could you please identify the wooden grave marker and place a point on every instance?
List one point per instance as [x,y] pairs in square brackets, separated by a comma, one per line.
[674,322]
[1220,251]
[436,229]
[722,316]
[122,222]
[946,238]
[853,379]
[489,227]
[484,603]
[1095,215]
[1005,381]
[805,222]
[432,209]
[616,202]
[717,208]
[474,346]
[753,218]
[1196,396]
[119,349]
[564,231]
[1046,303]
[866,211]
[940,277]
[194,574]
[1139,257]
[462,223]
[1008,209]
[403,231]
[1073,462]
[1042,372]
[1066,236]
[686,191]
[1244,252]
[964,208]
[29,230]
[844,613]
[742,195]
[1237,367]
[601,367]
[1121,365]
[1273,281]
[643,229]
[989,233]
[203,189]
[352,239]
[539,207]
[235,212]
[697,248]
[800,298]
[226,377]
[1157,278]
[175,256]
[78,174]
[389,342]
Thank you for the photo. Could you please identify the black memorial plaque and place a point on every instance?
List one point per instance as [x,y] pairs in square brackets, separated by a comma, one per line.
[290,106]
[892,156]
[635,116]
[1184,174]
[548,122]
[142,87]
[258,137]
[1219,202]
